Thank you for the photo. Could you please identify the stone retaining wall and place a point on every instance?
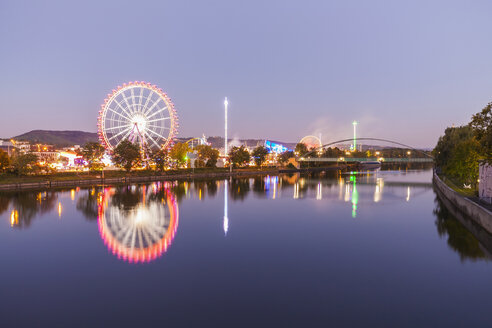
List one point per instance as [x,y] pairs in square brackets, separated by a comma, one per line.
[474,211]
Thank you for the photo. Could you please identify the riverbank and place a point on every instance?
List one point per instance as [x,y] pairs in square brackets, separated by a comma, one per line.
[478,213]
[482,235]
[74,179]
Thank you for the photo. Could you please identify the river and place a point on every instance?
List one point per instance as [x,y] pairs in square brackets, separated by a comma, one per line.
[372,249]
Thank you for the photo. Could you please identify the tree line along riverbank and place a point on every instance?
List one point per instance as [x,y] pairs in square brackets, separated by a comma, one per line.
[461,149]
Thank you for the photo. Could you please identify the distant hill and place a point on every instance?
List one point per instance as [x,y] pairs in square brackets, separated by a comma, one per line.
[58,138]
[70,138]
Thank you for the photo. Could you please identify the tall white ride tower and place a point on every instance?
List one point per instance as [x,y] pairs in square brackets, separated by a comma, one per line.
[225,136]
[354,123]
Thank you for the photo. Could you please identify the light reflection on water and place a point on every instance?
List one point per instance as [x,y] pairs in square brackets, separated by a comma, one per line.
[288,249]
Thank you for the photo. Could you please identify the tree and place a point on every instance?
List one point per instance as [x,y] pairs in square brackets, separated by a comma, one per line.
[481,125]
[93,152]
[259,154]
[443,152]
[457,154]
[284,157]
[357,154]
[27,205]
[239,156]
[160,158]
[463,163]
[4,161]
[301,149]
[4,203]
[127,155]
[333,152]
[179,153]
[88,205]
[208,155]
[24,163]
[239,188]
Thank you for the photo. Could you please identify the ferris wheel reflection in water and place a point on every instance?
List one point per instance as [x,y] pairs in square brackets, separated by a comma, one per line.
[138,223]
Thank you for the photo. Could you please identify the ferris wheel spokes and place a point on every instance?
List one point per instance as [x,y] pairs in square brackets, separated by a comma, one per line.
[133,100]
[157,112]
[119,127]
[159,119]
[153,106]
[121,132]
[117,113]
[140,100]
[159,127]
[152,230]
[155,142]
[157,134]
[124,230]
[130,107]
[149,97]
[123,109]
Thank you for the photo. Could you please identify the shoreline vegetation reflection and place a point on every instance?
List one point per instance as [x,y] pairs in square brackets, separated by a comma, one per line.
[464,236]
[138,222]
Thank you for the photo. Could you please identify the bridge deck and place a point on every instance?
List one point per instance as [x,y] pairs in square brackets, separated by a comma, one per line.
[354,159]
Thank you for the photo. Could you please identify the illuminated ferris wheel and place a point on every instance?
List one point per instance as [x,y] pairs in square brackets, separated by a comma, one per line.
[139,112]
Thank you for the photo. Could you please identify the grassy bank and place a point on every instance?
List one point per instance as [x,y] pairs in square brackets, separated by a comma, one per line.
[467,192]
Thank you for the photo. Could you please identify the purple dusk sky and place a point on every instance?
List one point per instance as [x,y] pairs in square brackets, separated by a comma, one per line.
[404,69]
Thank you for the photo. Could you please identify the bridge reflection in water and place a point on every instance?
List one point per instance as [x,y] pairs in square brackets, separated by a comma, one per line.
[345,188]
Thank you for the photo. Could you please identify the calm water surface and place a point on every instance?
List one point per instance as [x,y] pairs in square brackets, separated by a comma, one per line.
[372,249]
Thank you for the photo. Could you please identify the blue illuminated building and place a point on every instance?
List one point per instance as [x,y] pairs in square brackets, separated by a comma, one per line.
[275,147]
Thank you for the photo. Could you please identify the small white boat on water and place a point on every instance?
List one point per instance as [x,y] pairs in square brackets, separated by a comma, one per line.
[370,164]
